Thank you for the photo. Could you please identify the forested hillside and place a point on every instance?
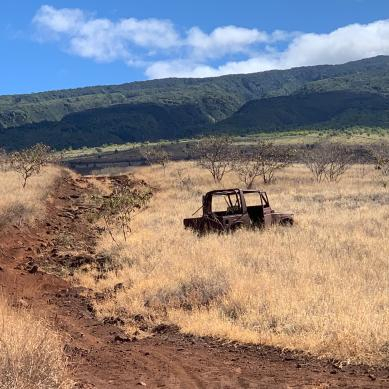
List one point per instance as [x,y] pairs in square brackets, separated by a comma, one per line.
[173,108]
[337,109]
[120,123]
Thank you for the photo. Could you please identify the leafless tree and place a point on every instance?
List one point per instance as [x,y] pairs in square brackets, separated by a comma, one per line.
[327,160]
[263,160]
[216,155]
[314,159]
[339,161]
[4,160]
[29,162]
[380,153]
[184,181]
[156,155]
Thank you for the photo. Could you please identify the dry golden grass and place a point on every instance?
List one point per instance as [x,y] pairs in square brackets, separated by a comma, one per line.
[18,205]
[321,286]
[31,354]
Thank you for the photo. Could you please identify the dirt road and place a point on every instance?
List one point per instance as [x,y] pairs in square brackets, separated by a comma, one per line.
[102,356]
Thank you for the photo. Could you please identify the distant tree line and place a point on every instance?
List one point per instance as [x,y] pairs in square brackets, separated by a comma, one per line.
[327,161]
[219,155]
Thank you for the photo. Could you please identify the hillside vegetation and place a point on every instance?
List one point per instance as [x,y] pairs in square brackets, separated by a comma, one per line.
[337,109]
[175,108]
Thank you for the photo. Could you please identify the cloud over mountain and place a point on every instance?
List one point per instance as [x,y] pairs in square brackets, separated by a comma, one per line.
[162,50]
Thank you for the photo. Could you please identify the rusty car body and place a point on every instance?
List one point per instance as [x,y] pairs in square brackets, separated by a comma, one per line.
[227,210]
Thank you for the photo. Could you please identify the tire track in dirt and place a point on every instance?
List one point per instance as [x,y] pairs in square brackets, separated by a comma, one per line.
[181,375]
[101,355]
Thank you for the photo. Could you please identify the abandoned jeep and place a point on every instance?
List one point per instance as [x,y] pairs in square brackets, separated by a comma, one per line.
[227,210]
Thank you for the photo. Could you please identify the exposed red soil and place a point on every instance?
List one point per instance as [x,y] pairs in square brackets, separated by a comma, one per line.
[102,356]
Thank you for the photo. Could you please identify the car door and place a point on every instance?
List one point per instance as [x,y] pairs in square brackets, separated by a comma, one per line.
[239,217]
[267,213]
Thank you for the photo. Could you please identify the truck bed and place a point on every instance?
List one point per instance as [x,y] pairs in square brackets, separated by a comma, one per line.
[195,223]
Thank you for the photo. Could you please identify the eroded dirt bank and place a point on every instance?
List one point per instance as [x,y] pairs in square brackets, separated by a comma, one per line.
[101,355]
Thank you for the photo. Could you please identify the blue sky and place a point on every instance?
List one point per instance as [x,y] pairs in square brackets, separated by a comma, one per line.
[57,44]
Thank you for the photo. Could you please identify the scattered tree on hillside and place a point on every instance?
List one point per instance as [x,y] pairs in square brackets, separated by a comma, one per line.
[4,160]
[215,154]
[184,181]
[189,150]
[118,209]
[263,160]
[327,160]
[29,162]
[156,155]
[314,159]
[380,153]
[339,161]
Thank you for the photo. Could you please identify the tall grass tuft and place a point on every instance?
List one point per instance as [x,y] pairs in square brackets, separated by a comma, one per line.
[31,354]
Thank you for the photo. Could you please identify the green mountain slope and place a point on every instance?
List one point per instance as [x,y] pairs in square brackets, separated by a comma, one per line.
[116,124]
[321,109]
[171,108]
[216,97]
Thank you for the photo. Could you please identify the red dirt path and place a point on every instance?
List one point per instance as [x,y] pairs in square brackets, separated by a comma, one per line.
[101,355]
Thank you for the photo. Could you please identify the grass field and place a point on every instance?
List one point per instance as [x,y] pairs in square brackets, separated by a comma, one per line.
[18,205]
[31,353]
[360,136]
[321,286]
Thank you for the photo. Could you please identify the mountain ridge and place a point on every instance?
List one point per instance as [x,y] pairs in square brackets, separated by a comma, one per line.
[19,109]
[174,107]
[375,60]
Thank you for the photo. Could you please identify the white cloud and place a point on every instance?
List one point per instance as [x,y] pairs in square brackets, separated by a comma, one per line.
[348,43]
[223,40]
[102,39]
[149,33]
[52,20]
[187,68]
[98,39]
[179,68]
[162,51]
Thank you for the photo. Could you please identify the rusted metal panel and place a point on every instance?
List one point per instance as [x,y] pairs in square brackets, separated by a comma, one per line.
[236,212]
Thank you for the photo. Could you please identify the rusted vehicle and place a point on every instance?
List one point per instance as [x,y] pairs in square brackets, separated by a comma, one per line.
[227,210]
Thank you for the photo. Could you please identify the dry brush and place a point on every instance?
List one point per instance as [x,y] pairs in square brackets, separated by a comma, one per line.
[321,286]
